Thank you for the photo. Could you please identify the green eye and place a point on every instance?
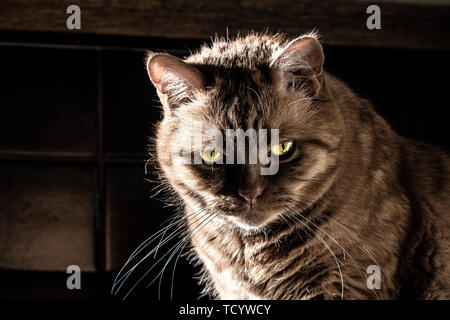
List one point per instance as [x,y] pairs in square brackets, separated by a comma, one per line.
[283,148]
[211,156]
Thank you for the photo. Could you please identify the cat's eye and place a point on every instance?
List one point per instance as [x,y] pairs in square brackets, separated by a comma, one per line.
[283,148]
[211,156]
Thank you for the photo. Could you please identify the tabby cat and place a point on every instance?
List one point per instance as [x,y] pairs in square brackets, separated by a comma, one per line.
[350,196]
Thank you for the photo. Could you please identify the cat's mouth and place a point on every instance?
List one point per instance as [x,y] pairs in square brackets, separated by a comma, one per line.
[252,216]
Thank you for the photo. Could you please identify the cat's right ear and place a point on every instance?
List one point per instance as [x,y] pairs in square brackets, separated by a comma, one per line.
[176,82]
[299,65]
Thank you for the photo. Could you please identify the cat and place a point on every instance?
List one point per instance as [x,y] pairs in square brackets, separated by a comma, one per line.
[351,199]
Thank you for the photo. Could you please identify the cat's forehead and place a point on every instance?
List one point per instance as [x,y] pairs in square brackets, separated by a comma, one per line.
[233,98]
[249,109]
[240,89]
[243,99]
[247,52]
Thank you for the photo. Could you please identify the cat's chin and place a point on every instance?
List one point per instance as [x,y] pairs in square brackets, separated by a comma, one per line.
[252,220]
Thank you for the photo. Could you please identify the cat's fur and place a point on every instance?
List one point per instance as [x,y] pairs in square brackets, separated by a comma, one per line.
[354,194]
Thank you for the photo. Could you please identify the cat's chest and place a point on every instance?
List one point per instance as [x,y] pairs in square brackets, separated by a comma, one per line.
[235,267]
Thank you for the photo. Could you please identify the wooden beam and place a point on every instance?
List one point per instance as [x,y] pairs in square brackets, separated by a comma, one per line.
[404,24]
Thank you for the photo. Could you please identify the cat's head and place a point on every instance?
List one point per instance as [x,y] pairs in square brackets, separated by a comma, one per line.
[253,82]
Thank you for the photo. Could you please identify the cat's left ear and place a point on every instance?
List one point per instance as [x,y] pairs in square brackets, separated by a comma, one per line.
[176,81]
[299,65]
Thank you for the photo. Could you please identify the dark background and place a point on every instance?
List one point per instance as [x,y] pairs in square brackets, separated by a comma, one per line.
[77,108]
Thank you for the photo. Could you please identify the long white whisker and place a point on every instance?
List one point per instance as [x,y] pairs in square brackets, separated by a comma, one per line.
[124,277]
[329,249]
[169,251]
[173,271]
[335,241]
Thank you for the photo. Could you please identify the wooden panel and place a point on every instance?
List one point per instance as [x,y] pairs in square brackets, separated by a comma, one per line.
[404,24]
[49,102]
[46,217]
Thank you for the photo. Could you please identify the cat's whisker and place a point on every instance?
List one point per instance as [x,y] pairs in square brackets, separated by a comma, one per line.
[139,249]
[156,234]
[284,218]
[301,293]
[162,236]
[361,244]
[257,95]
[362,247]
[354,235]
[333,239]
[147,242]
[329,249]
[322,217]
[150,181]
[173,272]
[161,189]
[122,279]
[287,217]
[171,250]
[179,248]
[357,265]
[302,99]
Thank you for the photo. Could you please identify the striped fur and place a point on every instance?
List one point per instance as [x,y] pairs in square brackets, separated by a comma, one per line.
[354,194]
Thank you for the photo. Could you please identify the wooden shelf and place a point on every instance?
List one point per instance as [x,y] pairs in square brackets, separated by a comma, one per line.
[416,24]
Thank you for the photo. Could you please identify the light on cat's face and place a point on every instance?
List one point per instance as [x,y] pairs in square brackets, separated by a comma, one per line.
[239,191]
[253,204]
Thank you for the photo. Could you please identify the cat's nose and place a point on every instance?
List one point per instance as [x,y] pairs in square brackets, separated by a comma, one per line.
[250,195]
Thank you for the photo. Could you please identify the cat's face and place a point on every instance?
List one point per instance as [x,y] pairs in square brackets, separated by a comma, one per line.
[288,103]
